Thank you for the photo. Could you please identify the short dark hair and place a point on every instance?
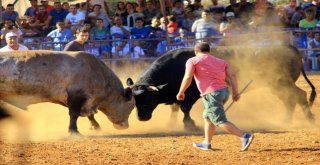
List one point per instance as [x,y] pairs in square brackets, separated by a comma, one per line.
[202,47]
[82,30]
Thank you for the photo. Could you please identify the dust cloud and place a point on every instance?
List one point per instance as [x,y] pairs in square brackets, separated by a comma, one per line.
[256,110]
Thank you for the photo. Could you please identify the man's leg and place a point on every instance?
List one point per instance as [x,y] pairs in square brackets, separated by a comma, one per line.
[209,130]
[231,128]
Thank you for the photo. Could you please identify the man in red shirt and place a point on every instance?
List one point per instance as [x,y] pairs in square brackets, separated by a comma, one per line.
[210,74]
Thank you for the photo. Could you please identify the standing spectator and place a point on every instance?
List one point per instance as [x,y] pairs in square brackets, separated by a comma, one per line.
[231,26]
[121,12]
[204,27]
[12,43]
[32,10]
[296,17]
[309,21]
[55,15]
[118,31]
[93,48]
[189,18]
[99,32]
[74,19]
[140,31]
[48,7]
[150,11]
[121,50]
[172,26]
[60,36]
[154,27]
[288,11]
[210,74]
[98,14]
[136,51]
[163,21]
[82,36]
[178,11]
[182,40]
[9,13]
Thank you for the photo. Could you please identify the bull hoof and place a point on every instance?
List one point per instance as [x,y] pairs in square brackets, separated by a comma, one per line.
[190,126]
[95,127]
[311,118]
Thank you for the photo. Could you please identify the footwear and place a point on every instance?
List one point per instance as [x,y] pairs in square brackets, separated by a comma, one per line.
[246,141]
[202,146]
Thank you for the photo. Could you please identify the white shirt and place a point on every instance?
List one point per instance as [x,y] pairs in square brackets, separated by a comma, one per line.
[117,30]
[74,19]
[8,49]
[123,52]
[137,52]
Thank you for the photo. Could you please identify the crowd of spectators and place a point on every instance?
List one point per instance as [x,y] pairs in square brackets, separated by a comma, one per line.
[139,29]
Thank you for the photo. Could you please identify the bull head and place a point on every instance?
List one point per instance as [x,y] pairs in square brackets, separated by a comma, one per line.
[142,88]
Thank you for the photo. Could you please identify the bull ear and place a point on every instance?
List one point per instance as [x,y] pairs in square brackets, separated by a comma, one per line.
[129,82]
[127,93]
[156,88]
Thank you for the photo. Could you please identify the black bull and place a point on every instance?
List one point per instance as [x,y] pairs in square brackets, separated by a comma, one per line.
[276,67]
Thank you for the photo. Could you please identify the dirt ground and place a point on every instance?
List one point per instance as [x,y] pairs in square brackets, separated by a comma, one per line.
[39,136]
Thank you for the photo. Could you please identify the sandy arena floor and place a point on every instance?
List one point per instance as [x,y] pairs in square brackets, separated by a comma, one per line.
[39,136]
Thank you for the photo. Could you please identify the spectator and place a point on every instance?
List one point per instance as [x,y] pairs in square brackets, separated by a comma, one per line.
[216,7]
[66,6]
[74,19]
[309,21]
[98,14]
[197,8]
[189,19]
[150,11]
[82,36]
[57,14]
[163,21]
[231,26]
[141,5]
[315,44]
[121,12]
[48,7]
[87,24]
[296,17]
[32,10]
[105,49]
[172,26]
[136,52]
[183,40]
[99,32]
[132,14]
[178,11]
[93,48]
[40,19]
[154,27]
[103,4]
[288,11]
[9,13]
[12,43]
[118,31]
[121,50]
[10,26]
[204,27]
[60,36]
[27,30]
[140,31]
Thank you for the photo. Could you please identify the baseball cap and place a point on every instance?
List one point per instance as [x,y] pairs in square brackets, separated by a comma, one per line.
[230,14]
[11,34]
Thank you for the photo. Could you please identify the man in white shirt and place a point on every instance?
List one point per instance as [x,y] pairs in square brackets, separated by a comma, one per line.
[12,43]
[74,19]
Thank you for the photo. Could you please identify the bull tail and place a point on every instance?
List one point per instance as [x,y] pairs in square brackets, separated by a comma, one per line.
[313,89]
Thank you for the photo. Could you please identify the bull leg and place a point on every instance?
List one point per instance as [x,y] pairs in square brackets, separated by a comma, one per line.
[94,124]
[303,102]
[75,101]
[174,114]
[189,124]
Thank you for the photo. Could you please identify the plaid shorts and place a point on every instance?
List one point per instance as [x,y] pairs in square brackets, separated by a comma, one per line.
[213,106]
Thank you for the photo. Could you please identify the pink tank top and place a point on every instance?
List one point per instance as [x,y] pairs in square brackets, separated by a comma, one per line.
[209,72]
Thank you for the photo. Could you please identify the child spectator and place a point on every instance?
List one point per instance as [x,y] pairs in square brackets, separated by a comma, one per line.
[172,25]
[136,50]
[120,50]
[105,49]
[296,17]
[93,48]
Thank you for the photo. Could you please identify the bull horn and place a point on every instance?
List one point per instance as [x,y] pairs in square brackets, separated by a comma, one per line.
[156,88]
[137,92]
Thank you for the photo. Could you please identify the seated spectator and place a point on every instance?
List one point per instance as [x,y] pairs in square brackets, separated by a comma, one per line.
[105,49]
[136,52]
[121,12]
[60,36]
[48,7]
[98,14]
[26,29]
[296,17]
[132,15]
[155,27]
[74,20]
[12,43]
[120,50]
[189,19]
[55,15]
[102,3]
[9,13]
[309,21]
[150,11]
[99,32]
[163,21]
[32,10]
[231,26]
[140,31]
[314,44]
[10,26]
[87,24]
[93,48]
[66,6]
[288,11]
[216,7]
[40,19]
[118,31]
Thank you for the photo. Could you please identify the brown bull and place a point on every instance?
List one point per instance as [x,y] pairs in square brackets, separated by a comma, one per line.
[76,80]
